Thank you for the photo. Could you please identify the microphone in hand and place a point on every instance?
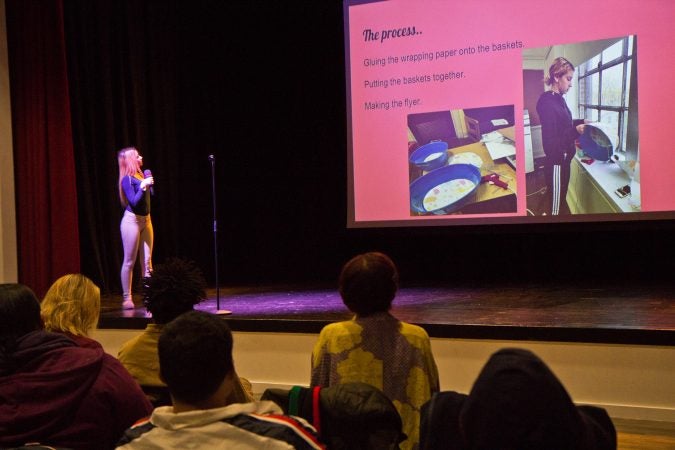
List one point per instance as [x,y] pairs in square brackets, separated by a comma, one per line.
[147,174]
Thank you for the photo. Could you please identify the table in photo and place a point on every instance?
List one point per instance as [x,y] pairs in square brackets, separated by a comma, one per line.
[489,198]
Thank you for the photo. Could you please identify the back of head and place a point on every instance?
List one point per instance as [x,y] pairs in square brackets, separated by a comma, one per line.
[359,416]
[127,159]
[72,304]
[19,313]
[195,355]
[173,289]
[127,162]
[368,283]
[518,403]
[351,416]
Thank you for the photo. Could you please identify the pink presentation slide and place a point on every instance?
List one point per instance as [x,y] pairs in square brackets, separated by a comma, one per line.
[442,116]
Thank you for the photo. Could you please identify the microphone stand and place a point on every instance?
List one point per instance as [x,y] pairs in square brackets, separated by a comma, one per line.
[212,159]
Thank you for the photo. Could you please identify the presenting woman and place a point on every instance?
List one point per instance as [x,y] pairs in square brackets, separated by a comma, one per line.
[136,225]
[558,133]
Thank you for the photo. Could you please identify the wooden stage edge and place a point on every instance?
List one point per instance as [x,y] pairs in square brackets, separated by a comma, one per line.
[634,315]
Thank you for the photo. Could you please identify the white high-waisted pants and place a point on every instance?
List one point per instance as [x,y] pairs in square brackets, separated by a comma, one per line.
[137,239]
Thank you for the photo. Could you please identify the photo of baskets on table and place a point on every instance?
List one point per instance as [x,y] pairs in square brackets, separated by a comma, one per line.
[460,176]
[444,188]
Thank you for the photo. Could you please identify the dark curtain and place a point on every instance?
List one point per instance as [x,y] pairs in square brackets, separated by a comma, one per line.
[122,75]
[258,86]
[46,180]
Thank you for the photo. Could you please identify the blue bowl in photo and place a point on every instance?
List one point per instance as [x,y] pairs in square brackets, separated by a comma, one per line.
[430,156]
[597,141]
[444,190]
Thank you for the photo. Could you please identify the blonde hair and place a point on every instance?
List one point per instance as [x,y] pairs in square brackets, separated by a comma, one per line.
[559,68]
[72,304]
[128,167]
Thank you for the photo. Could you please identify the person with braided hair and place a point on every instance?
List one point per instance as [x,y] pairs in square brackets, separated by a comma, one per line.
[174,288]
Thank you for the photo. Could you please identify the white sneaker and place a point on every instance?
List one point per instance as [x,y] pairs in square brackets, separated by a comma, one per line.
[128,304]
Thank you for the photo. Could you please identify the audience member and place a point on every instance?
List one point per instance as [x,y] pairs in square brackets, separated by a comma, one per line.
[72,306]
[515,403]
[175,287]
[347,416]
[53,391]
[195,358]
[375,347]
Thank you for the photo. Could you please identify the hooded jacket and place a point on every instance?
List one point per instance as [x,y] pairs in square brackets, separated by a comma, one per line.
[55,392]
[515,403]
[239,426]
[348,416]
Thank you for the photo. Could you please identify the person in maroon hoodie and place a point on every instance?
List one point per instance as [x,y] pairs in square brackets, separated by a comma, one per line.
[54,391]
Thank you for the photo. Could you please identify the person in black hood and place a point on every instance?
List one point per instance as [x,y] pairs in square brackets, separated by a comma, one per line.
[515,403]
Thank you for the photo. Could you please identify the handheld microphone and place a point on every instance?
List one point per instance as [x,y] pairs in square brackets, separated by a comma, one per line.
[148,174]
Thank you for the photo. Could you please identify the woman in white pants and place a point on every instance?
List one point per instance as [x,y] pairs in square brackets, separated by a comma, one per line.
[136,225]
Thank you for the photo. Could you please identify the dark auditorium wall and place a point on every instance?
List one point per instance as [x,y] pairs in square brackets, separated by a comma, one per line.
[261,86]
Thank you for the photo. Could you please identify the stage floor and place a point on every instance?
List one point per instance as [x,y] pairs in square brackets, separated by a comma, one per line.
[618,314]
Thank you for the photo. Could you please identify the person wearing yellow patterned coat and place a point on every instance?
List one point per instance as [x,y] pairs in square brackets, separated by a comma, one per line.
[375,347]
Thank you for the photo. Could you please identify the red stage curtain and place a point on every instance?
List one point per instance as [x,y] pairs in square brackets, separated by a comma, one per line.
[46,186]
